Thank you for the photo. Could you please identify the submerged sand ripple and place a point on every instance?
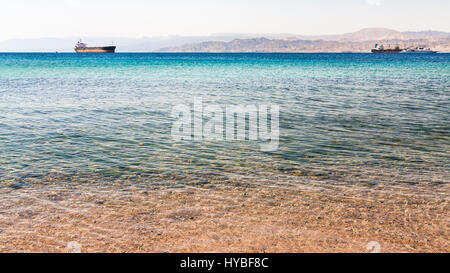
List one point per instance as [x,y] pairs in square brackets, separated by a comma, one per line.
[237,217]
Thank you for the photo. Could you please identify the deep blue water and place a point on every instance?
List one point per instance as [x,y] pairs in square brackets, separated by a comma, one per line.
[351,118]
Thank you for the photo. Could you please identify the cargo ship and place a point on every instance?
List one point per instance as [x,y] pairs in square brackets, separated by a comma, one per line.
[382,49]
[81,47]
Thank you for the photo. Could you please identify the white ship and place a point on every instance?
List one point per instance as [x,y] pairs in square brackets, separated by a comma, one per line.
[419,50]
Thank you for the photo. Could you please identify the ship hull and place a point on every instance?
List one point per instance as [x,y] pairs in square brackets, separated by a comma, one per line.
[106,49]
[386,51]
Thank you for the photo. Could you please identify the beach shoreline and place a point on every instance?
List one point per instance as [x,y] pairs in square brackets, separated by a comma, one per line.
[218,218]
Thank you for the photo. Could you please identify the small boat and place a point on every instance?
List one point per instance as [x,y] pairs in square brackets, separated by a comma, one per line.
[81,47]
[423,50]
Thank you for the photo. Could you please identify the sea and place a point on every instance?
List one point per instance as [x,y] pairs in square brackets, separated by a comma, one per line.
[368,120]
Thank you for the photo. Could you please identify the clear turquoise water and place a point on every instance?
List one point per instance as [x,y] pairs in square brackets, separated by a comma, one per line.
[345,118]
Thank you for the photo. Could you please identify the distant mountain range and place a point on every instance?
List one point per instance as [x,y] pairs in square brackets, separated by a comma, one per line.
[360,41]
[380,34]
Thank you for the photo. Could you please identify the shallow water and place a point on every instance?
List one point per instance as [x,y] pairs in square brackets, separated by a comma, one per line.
[344,118]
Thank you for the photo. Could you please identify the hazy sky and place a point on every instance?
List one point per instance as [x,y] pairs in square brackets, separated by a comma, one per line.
[137,18]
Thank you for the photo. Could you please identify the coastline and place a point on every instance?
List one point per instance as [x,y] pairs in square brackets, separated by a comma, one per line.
[219,218]
[211,52]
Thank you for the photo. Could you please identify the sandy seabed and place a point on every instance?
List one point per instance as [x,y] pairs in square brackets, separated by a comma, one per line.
[219,218]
